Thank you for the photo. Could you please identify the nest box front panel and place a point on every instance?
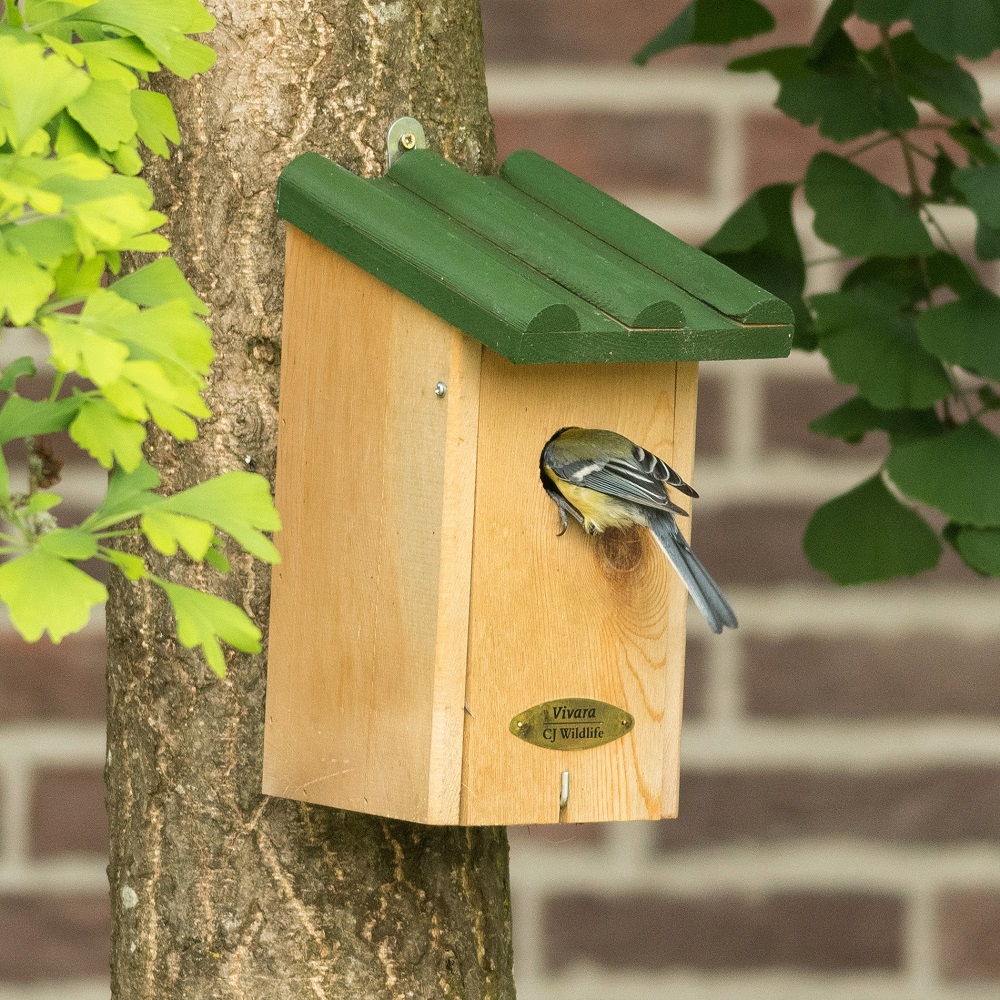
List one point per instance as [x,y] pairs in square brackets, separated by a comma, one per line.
[572,617]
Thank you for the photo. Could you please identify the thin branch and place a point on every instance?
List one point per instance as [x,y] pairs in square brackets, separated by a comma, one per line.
[920,151]
[871,144]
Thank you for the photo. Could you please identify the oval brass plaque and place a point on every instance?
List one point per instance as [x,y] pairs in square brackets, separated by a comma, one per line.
[571,724]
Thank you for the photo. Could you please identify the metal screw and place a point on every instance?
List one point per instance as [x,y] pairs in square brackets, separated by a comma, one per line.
[440,389]
[407,140]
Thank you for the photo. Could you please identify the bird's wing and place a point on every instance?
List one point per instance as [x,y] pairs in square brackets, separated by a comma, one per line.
[658,469]
[623,478]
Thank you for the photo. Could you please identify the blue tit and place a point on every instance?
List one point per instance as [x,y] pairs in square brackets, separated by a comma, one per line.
[603,480]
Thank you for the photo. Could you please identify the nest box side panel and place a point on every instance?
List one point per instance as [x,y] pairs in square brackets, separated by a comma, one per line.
[369,608]
[572,616]
[685,418]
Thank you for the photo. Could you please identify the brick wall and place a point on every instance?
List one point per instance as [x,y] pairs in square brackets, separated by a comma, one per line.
[839,830]
[839,833]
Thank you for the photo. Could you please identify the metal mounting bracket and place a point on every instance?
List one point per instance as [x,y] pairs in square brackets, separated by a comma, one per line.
[404,134]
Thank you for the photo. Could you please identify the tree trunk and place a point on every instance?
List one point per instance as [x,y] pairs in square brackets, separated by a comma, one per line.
[218,891]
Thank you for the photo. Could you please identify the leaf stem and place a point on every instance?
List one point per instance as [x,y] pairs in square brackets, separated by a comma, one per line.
[913,148]
[871,144]
[57,384]
[911,167]
[57,304]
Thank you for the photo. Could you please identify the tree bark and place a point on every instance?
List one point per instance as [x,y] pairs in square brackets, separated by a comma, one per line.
[216,890]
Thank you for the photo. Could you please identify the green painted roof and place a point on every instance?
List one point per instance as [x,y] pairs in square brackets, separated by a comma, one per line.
[537,264]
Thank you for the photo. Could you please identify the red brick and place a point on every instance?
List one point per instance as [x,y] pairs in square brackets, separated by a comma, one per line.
[649,932]
[778,149]
[928,806]
[695,677]
[910,676]
[968,925]
[789,405]
[755,544]
[67,812]
[615,150]
[54,937]
[713,411]
[594,31]
[41,680]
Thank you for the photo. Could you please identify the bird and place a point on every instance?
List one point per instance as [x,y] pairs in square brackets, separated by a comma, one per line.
[604,480]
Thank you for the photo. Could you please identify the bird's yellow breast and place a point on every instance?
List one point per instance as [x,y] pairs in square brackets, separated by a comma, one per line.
[598,509]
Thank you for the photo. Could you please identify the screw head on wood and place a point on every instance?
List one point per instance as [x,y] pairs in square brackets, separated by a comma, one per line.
[440,389]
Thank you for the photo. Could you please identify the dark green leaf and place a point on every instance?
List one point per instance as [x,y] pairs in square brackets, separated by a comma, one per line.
[973,139]
[781,63]
[989,398]
[946,270]
[907,278]
[871,343]
[958,472]
[987,242]
[830,32]
[965,332]
[859,215]
[868,535]
[881,11]
[846,105]
[759,242]
[23,417]
[709,22]
[852,420]
[13,371]
[942,184]
[981,186]
[978,547]
[969,28]
[940,82]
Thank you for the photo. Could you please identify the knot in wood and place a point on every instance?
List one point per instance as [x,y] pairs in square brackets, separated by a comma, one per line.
[620,550]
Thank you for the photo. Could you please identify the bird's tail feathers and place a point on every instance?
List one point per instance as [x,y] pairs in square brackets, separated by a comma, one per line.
[705,592]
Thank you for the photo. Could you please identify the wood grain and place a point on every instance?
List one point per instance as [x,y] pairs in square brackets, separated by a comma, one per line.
[570,616]
[369,606]
[685,417]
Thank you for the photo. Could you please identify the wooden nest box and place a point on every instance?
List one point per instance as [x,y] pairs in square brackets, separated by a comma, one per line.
[438,329]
